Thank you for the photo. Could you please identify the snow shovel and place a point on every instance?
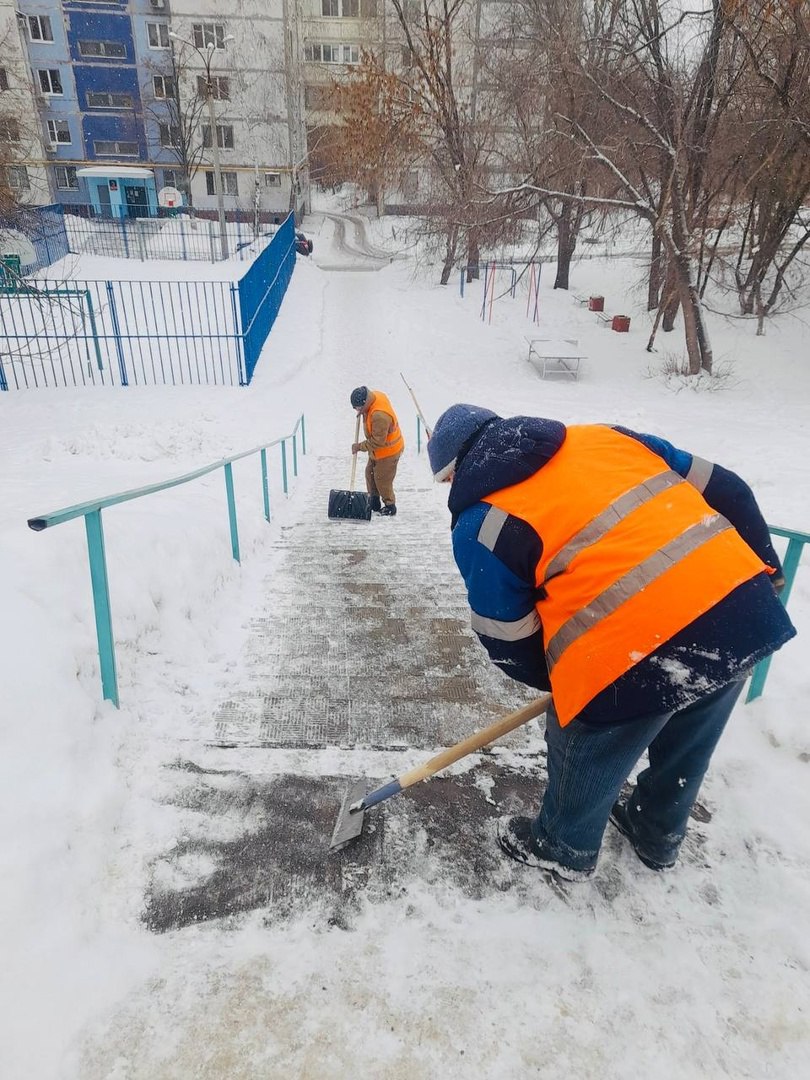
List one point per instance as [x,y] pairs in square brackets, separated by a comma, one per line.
[358,799]
[352,505]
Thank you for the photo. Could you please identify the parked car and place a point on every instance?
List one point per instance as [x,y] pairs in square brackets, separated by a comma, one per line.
[302,244]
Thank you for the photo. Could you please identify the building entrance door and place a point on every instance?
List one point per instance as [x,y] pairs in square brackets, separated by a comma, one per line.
[137,203]
[104,200]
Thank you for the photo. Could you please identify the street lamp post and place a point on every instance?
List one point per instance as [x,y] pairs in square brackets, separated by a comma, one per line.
[207,57]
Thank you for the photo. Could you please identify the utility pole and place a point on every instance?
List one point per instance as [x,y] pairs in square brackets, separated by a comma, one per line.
[206,58]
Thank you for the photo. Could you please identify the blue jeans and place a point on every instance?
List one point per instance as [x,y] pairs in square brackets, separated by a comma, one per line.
[587,767]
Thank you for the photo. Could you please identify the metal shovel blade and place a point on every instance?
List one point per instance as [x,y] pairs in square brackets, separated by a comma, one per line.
[349,825]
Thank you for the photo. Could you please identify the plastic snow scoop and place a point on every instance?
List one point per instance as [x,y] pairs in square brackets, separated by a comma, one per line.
[419,412]
[352,505]
[358,799]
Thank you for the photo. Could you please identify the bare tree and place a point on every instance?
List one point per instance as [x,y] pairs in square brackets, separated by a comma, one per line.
[378,135]
[775,38]
[660,94]
[179,113]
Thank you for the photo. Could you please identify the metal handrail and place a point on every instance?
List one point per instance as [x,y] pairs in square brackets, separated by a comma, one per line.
[91,512]
[796,541]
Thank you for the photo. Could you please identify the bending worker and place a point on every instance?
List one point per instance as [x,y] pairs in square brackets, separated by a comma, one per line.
[637,583]
[383,443]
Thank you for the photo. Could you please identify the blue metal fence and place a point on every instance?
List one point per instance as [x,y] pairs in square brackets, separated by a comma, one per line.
[119,333]
[44,229]
[134,333]
[262,290]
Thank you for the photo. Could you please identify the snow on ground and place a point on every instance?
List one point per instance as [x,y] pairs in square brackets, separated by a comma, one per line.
[702,973]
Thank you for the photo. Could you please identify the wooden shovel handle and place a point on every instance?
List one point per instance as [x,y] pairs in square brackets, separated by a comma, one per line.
[354,455]
[476,741]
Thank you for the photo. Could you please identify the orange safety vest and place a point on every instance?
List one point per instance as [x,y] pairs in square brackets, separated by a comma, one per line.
[632,553]
[395,443]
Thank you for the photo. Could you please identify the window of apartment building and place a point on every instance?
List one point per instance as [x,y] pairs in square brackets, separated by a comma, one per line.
[272,179]
[9,130]
[164,86]
[319,98]
[3,79]
[174,178]
[59,131]
[103,48]
[169,136]
[208,33]
[220,87]
[229,182]
[337,9]
[99,100]
[224,136]
[50,81]
[158,35]
[115,148]
[66,178]
[17,177]
[332,54]
[39,28]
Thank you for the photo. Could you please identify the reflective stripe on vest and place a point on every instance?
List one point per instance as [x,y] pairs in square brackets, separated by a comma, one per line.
[632,554]
[394,443]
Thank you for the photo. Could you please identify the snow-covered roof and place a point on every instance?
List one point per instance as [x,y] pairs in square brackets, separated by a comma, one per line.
[126,172]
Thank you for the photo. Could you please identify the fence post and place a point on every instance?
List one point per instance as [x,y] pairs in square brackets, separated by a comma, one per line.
[240,366]
[461,283]
[119,348]
[183,239]
[92,317]
[232,511]
[265,490]
[303,435]
[284,465]
[139,234]
[123,225]
[295,454]
[211,241]
[45,240]
[101,605]
[789,567]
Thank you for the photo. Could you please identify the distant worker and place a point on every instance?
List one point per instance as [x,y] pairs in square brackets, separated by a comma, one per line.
[383,444]
[637,583]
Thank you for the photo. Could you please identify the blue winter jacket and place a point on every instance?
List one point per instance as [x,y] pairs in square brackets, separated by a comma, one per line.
[719,647]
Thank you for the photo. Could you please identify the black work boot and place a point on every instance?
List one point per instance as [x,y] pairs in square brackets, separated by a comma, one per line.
[375,502]
[620,818]
[516,840]
[388,510]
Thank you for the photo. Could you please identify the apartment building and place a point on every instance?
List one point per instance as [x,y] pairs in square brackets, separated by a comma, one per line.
[116,96]
[127,96]
[21,144]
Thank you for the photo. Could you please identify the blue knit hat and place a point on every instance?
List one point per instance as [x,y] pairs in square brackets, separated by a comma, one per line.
[453,428]
[358,397]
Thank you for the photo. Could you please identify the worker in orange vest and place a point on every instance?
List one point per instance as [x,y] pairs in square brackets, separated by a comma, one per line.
[635,581]
[383,444]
